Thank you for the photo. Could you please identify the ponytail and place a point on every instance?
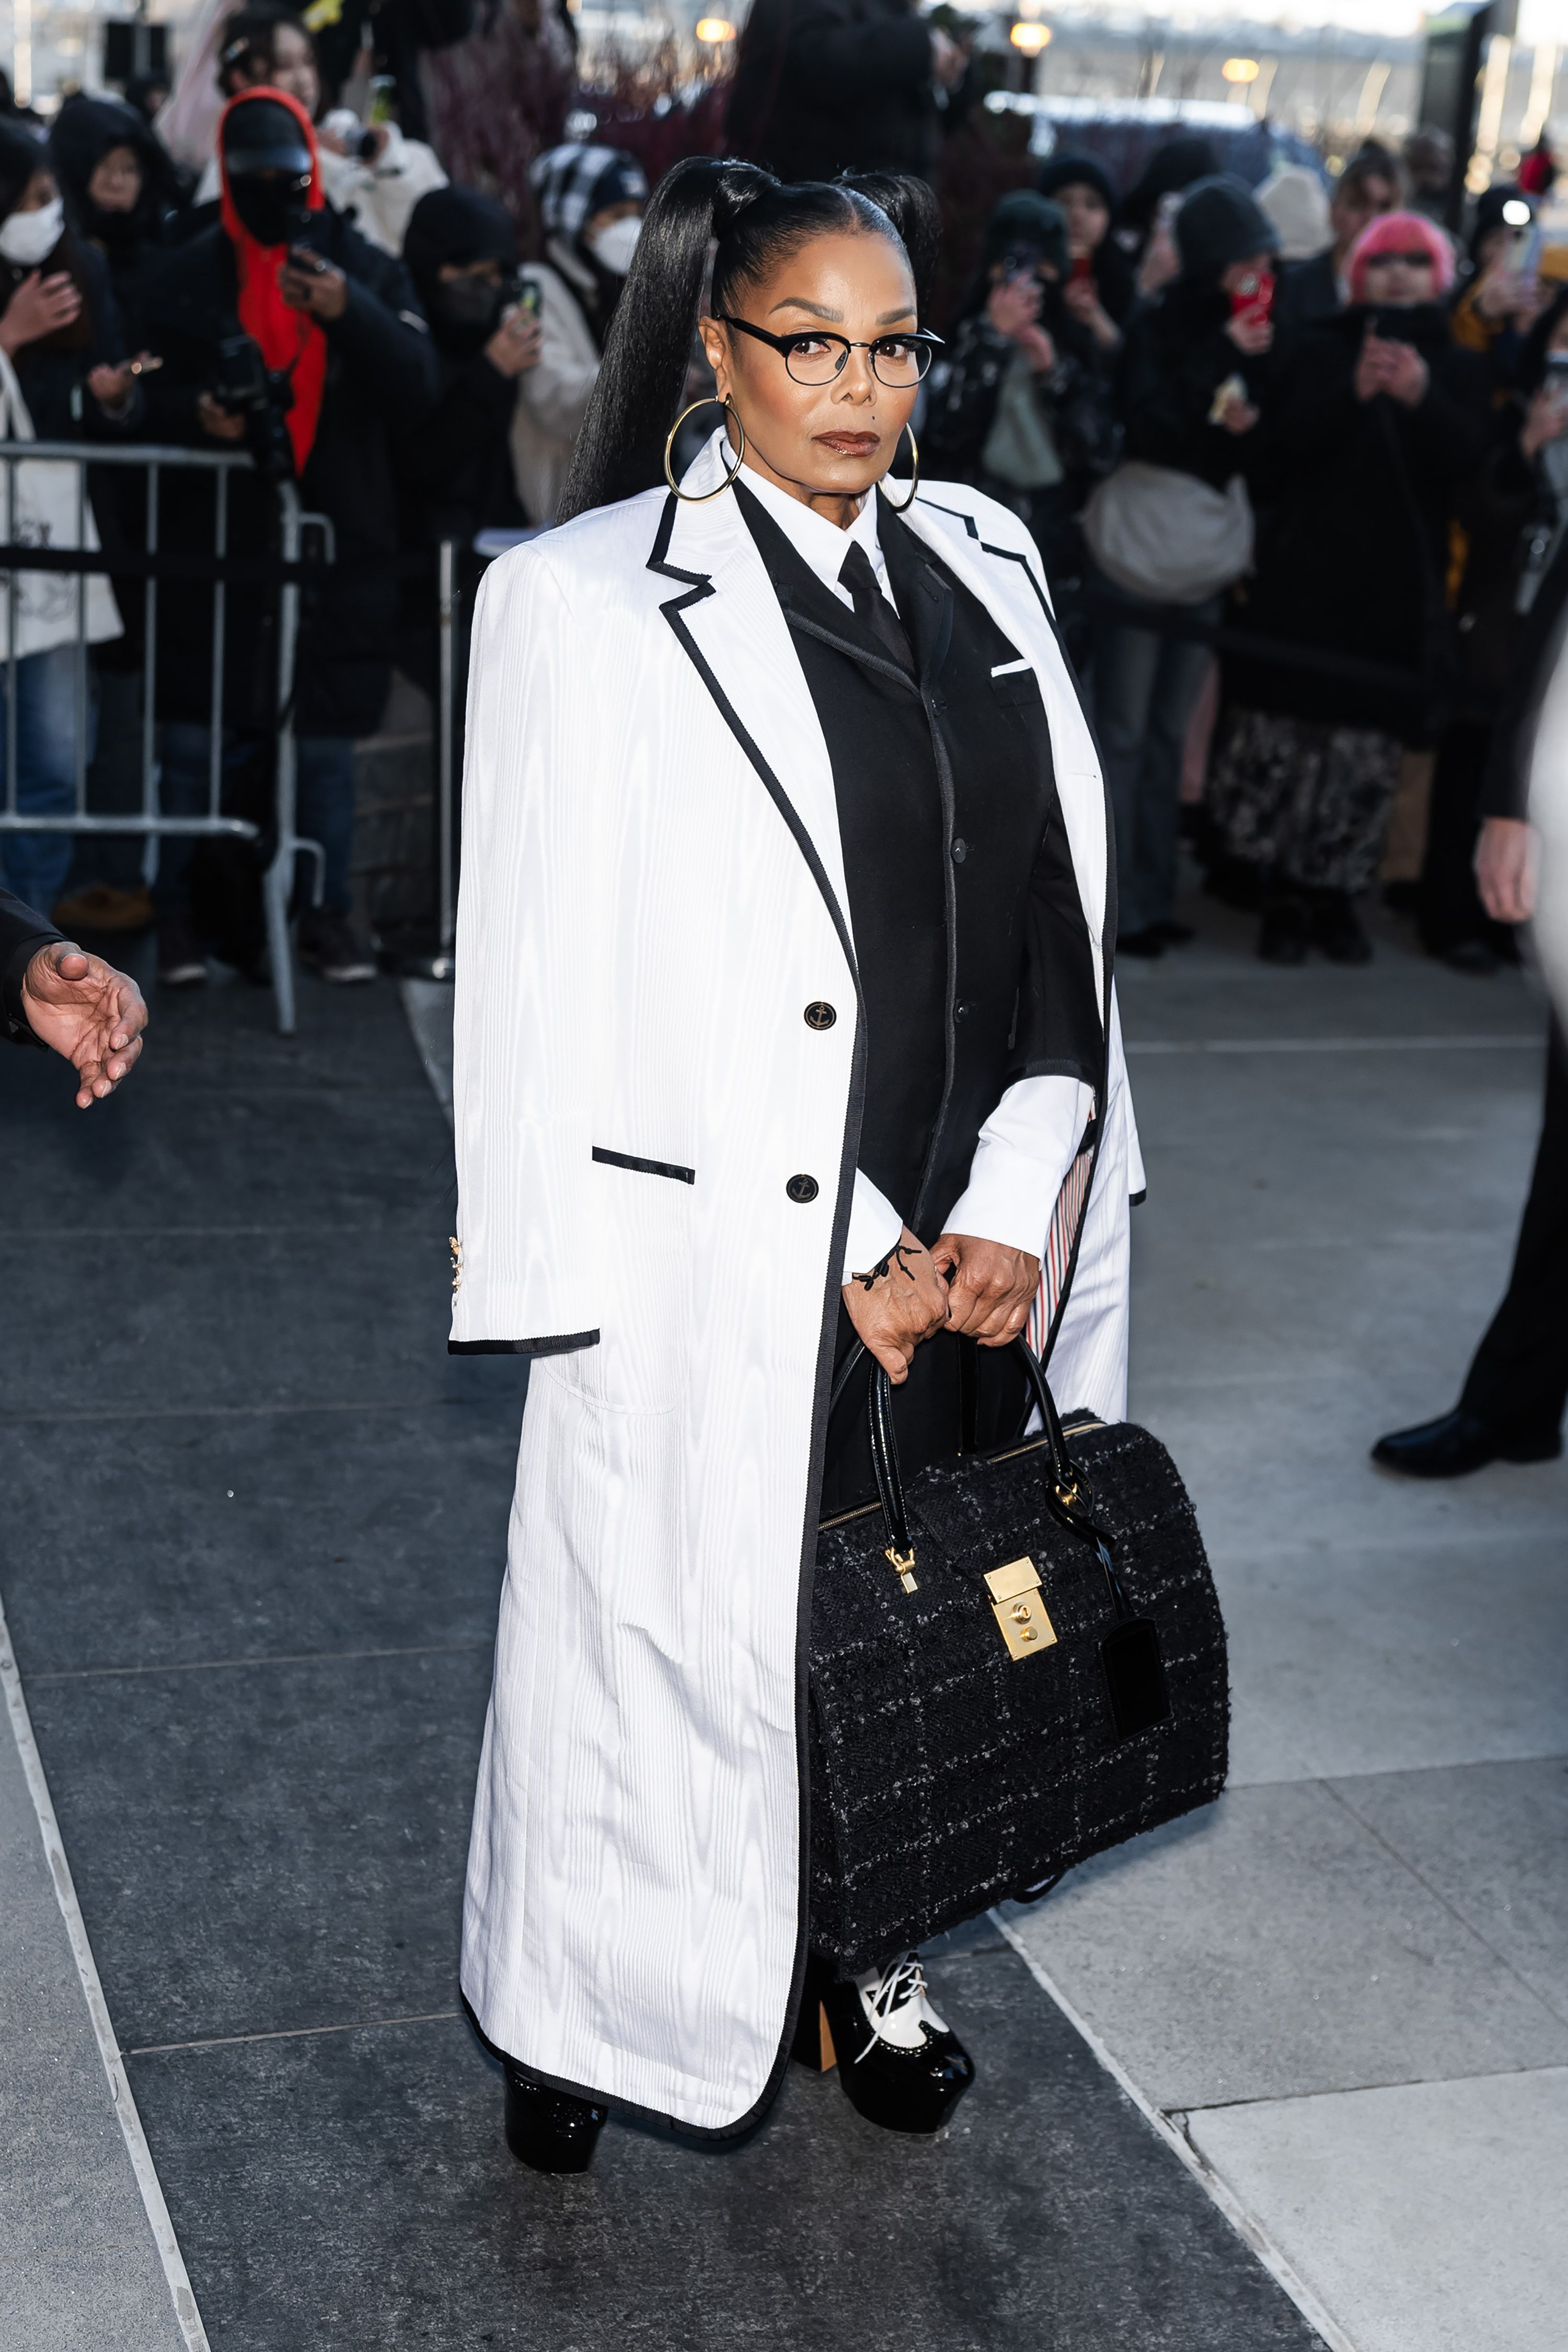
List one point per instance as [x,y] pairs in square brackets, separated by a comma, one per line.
[757,222]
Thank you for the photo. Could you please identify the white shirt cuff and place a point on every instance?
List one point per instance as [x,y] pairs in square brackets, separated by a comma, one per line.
[1025,1148]
[875,1226]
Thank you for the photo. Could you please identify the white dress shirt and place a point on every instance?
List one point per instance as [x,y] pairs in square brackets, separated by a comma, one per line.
[1030,1140]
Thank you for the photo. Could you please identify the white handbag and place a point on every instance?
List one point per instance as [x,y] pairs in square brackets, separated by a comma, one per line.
[1168,536]
[46,514]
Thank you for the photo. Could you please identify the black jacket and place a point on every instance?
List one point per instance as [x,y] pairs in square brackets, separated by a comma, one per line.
[23,931]
[454,472]
[1175,357]
[53,373]
[827,86]
[1307,294]
[966,384]
[381,380]
[1353,555]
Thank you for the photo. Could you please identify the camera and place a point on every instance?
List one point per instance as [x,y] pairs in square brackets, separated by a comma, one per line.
[243,385]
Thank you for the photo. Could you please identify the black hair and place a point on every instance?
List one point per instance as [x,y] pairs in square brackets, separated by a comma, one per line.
[754,223]
[247,40]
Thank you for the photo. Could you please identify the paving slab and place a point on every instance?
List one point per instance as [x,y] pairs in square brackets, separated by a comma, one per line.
[1272,1945]
[1432,2212]
[79,2266]
[1049,2216]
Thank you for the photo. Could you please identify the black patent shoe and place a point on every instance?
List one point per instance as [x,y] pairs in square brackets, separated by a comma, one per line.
[899,2066]
[1459,1443]
[548,2129]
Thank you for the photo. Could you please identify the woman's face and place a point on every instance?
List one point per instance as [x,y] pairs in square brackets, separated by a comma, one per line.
[476,273]
[826,442]
[1088,217]
[39,191]
[116,182]
[1397,281]
[294,67]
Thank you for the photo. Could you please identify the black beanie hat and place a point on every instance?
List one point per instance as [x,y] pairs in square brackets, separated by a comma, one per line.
[1489,211]
[1077,171]
[20,156]
[1025,220]
[456,224]
[1220,222]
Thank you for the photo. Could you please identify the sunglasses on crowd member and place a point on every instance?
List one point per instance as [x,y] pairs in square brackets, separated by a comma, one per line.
[817,357]
[1419,259]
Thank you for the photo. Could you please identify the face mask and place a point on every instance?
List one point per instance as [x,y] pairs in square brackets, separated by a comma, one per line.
[613,246]
[274,211]
[465,313]
[27,238]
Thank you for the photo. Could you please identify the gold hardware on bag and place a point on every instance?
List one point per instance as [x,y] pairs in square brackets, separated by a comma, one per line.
[904,1562]
[1018,1610]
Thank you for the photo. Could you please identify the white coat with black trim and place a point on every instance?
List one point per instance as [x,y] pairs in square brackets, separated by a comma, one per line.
[652,894]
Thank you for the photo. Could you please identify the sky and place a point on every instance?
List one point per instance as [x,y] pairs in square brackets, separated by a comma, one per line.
[1538,20]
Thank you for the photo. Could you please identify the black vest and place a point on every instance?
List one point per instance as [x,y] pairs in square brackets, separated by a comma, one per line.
[974,960]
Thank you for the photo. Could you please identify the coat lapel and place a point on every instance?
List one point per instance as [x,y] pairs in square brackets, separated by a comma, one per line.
[724,611]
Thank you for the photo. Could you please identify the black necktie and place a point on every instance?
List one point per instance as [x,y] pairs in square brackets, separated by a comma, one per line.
[873,608]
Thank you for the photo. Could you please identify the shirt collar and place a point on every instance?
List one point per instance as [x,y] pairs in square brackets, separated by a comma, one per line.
[817,541]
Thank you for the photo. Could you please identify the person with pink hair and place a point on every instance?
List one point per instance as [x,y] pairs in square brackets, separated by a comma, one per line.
[1381,420]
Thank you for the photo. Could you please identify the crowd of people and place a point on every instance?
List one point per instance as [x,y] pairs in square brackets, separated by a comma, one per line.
[1295,458]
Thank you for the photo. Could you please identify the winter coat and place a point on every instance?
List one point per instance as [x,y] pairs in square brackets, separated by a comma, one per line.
[1075,400]
[53,371]
[1175,357]
[827,86]
[553,398]
[1352,557]
[381,379]
[653,904]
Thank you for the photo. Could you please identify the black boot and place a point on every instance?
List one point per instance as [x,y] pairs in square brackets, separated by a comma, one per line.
[548,2129]
[899,2066]
[1284,930]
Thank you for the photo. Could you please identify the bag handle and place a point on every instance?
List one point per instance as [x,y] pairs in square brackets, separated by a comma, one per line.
[1071,1497]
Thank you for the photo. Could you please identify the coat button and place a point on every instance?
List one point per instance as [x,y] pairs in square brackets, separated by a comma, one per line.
[802,1189]
[959,852]
[819,1016]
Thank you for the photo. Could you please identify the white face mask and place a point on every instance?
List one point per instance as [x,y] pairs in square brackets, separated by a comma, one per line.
[27,238]
[613,246]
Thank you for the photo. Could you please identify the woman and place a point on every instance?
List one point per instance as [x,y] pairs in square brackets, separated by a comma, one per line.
[1195,381]
[1380,420]
[64,353]
[1101,296]
[116,184]
[590,208]
[454,469]
[783,1005]
[1020,403]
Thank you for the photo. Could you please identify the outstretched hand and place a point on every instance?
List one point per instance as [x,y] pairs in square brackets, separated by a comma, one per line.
[86,1011]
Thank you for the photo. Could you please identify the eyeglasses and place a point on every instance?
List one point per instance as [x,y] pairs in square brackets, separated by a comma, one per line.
[1418,260]
[897,360]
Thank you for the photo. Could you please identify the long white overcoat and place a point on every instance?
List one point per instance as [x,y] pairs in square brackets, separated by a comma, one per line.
[652,894]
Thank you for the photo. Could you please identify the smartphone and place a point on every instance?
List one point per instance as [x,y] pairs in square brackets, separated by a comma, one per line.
[528,296]
[1254,298]
[302,257]
[1082,268]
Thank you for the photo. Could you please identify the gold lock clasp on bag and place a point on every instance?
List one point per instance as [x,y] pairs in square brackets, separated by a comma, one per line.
[1018,1610]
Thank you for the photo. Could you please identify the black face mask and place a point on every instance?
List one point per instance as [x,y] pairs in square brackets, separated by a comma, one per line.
[465,313]
[273,209]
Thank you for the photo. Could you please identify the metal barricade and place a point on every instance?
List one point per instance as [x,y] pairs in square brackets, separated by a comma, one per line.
[277,882]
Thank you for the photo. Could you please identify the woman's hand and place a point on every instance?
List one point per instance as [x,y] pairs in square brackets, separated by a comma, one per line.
[37,308]
[517,343]
[1081,297]
[1506,861]
[990,1288]
[86,1011]
[1014,309]
[112,387]
[1398,369]
[904,1305]
[220,421]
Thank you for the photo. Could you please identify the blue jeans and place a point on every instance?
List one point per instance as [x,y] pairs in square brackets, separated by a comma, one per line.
[1146,687]
[34,864]
[324,801]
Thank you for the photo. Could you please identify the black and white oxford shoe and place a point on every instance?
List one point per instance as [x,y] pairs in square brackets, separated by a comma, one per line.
[900,2066]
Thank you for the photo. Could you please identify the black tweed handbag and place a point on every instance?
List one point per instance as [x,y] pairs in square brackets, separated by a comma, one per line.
[1016,1661]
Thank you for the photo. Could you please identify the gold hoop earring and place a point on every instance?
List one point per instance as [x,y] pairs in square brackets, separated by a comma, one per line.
[696,498]
[904,506]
